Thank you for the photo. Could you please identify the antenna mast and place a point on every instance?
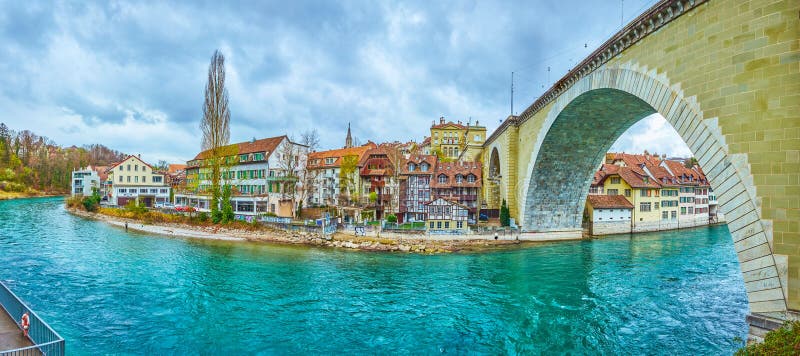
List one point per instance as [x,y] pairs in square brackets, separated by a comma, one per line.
[512,93]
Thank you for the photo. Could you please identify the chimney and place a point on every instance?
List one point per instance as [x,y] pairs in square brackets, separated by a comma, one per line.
[476,123]
[441,120]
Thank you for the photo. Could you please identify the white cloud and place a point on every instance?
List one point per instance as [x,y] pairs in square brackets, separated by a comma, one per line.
[654,134]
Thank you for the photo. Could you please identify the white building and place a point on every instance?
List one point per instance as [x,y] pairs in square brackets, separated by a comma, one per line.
[85,181]
[263,174]
[325,168]
[134,180]
[609,214]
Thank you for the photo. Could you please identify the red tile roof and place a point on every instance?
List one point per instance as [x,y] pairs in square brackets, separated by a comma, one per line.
[418,159]
[176,167]
[609,202]
[267,145]
[126,158]
[317,159]
[453,169]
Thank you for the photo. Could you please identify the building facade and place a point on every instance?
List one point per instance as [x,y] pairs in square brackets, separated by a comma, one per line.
[452,139]
[445,216]
[415,187]
[85,182]
[263,176]
[335,176]
[134,180]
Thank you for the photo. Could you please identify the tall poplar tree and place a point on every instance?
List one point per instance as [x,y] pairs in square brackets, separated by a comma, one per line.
[216,123]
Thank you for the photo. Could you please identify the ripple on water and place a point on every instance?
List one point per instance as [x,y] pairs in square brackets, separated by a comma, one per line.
[108,291]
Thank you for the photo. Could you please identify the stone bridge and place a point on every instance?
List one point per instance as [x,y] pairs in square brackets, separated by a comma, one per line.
[726,75]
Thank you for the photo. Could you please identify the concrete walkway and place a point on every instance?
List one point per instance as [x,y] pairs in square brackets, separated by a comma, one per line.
[10,334]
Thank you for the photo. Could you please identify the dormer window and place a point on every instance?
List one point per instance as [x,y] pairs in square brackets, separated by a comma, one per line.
[410,167]
[329,160]
[423,167]
[471,178]
[442,178]
[459,178]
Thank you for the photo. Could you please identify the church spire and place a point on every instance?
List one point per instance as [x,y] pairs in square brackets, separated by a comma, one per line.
[348,142]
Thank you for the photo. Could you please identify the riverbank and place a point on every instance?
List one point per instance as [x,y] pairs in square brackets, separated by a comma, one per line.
[4,195]
[393,243]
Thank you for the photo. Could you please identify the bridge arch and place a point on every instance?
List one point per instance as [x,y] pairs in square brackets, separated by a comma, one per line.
[583,123]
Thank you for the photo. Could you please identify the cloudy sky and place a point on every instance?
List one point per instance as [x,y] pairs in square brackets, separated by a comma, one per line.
[131,75]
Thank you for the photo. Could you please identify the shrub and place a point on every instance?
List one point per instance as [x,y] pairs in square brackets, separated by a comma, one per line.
[505,216]
[135,209]
[91,203]
[783,341]
[202,217]
[391,218]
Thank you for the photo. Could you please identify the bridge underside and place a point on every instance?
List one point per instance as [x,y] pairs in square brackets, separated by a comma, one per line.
[574,147]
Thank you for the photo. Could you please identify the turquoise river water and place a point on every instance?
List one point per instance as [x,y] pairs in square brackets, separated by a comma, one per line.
[108,291]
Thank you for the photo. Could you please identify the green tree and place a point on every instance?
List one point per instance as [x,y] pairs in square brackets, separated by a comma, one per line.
[391,218]
[691,162]
[347,174]
[505,216]
[227,208]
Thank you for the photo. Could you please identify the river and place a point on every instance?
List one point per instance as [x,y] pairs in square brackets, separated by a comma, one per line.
[108,291]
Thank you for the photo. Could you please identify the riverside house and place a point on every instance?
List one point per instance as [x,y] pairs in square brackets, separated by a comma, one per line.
[84,181]
[134,180]
[445,216]
[263,175]
[665,194]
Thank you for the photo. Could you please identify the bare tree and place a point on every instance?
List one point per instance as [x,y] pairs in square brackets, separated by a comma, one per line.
[308,177]
[292,160]
[216,121]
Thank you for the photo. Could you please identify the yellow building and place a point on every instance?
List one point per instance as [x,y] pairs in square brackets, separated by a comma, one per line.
[134,180]
[640,190]
[450,140]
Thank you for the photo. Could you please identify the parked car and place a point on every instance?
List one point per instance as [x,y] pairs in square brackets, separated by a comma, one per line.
[169,206]
[483,217]
[159,205]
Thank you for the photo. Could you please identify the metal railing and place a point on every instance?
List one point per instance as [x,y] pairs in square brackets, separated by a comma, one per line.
[46,341]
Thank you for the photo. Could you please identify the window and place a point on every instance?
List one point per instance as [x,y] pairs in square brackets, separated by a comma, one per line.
[129,179]
[614,180]
[683,210]
[144,179]
[446,224]
[153,191]
[410,167]
[122,190]
[423,167]
[644,207]
[643,192]
[627,193]
[438,224]
[330,160]
[242,158]
[120,179]
[442,178]
[477,138]
[163,191]
[135,167]
[142,190]
[691,210]
[258,157]
[136,179]
[612,191]
[157,179]
[471,178]
[664,215]
[655,205]
[674,215]
[129,168]
[459,178]
[459,224]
